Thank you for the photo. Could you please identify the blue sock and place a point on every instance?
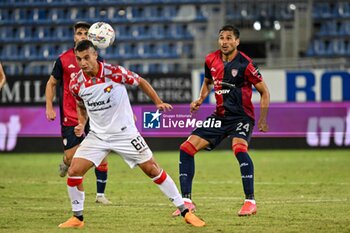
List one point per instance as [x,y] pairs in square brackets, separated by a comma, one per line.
[101,180]
[186,167]
[247,172]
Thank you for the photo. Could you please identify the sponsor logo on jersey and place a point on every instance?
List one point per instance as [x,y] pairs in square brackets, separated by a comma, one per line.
[98,103]
[108,89]
[71,66]
[222,92]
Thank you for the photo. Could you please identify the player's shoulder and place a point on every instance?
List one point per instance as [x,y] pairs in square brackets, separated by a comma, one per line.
[111,68]
[77,78]
[244,57]
[76,81]
[67,53]
[213,55]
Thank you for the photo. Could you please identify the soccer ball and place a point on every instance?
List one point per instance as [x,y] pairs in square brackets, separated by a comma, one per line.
[101,34]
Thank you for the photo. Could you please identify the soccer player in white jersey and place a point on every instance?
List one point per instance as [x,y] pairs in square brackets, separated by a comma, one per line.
[101,95]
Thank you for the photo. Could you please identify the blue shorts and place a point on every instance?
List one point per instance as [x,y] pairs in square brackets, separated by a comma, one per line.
[69,138]
[233,127]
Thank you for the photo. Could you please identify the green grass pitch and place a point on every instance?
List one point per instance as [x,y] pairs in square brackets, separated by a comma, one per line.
[296,191]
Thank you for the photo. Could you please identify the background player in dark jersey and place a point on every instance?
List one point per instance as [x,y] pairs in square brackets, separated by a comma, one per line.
[232,73]
[64,69]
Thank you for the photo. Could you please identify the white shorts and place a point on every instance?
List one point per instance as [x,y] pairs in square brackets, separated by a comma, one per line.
[130,145]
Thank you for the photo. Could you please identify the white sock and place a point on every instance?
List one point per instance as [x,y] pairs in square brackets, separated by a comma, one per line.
[251,201]
[170,190]
[77,198]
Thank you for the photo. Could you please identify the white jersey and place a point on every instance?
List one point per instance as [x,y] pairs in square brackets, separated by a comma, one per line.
[106,99]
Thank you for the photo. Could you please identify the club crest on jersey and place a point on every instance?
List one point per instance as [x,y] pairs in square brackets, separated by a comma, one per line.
[108,89]
[234,72]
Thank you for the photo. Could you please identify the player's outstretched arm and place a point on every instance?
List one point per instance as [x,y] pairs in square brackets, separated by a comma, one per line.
[152,94]
[2,77]
[205,90]
[50,93]
[264,105]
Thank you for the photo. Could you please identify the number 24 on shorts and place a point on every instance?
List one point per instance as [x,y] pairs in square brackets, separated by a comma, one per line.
[240,126]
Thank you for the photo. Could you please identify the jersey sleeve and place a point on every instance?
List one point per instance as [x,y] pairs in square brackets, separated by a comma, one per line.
[74,88]
[125,76]
[207,72]
[57,71]
[253,74]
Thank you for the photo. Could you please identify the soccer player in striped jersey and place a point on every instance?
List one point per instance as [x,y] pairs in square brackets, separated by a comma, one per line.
[64,69]
[232,73]
[101,95]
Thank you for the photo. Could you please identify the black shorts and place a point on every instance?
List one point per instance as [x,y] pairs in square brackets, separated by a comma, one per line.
[233,127]
[69,138]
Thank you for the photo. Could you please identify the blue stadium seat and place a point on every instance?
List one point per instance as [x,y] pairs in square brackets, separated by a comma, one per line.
[137,13]
[25,15]
[180,31]
[337,47]
[344,29]
[348,49]
[154,68]
[342,9]
[144,32]
[120,14]
[328,28]
[12,69]
[170,12]
[136,68]
[325,10]
[41,14]
[157,31]
[63,32]
[124,32]
[128,50]
[319,47]
[10,52]
[148,50]
[187,50]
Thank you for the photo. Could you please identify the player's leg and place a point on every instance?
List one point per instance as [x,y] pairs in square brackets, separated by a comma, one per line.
[70,145]
[168,187]
[240,149]
[76,172]
[66,161]
[187,168]
[101,172]
[134,150]
[90,153]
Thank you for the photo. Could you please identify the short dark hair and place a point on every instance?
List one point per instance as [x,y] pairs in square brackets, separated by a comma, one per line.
[84,45]
[81,24]
[230,28]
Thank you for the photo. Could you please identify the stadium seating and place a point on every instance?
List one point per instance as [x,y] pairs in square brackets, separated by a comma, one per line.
[35,31]
[152,35]
[331,38]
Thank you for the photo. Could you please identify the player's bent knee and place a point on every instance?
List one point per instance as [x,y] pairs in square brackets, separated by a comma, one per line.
[239,147]
[189,148]
[74,181]
[74,171]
